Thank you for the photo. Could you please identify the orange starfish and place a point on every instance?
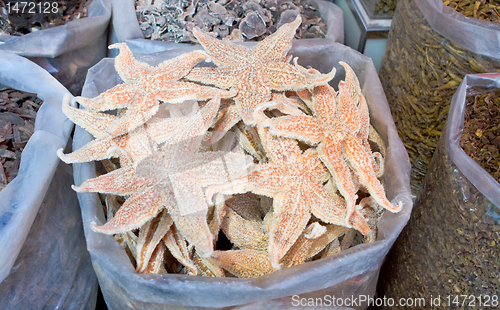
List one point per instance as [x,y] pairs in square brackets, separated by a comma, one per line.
[171,179]
[144,86]
[336,129]
[252,74]
[294,180]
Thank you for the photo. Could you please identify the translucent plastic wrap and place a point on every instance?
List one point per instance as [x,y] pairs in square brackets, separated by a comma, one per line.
[126,28]
[430,49]
[351,273]
[450,245]
[53,269]
[67,51]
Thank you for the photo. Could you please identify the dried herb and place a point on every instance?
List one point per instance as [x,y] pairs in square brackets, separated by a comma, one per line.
[238,20]
[380,8]
[450,245]
[488,10]
[481,134]
[23,17]
[17,124]
[419,92]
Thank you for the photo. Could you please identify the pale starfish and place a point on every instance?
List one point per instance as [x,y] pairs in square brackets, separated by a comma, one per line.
[294,180]
[144,86]
[336,129]
[131,147]
[252,74]
[176,172]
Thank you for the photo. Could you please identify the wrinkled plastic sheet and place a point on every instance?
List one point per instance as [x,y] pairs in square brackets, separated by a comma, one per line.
[351,273]
[479,177]
[67,51]
[475,35]
[125,28]
[53,269]
[20,199]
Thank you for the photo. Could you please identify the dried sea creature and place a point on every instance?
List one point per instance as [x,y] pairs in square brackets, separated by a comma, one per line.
[254,201]
[236,20]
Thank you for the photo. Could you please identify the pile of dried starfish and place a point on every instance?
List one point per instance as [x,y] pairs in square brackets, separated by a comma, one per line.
[227,188]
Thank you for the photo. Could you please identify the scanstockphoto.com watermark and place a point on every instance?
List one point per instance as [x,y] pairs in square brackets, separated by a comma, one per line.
[417,302]
[356,301]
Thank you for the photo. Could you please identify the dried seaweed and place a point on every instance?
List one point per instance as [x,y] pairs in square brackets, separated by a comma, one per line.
[17,124]
[237,20]
[487,10]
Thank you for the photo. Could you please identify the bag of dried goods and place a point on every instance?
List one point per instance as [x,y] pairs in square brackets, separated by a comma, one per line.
[450,246]
[168,25]
[431,47]
[64,37]
[32,128]
[238,199]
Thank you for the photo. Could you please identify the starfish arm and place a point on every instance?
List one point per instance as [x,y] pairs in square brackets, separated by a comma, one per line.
[220,77]
[362,165]
[282,76]
[222,53]
[248,206]
[364,119]
[276,46]
[193,226]
[330,153]
[286,105]
[227,118]
[242,233]
[315,170]
[304,128]
[156,261]
[243,263]
[178,67]
[351,82]
[150,236]
[324,104]
[348,111]
[176,243]
[328,207]
[94,150]
[358,222]
[135,115]
[318,244]
[207,267]
[135,212]
[178,92]
[300,249]
[161,130]
[118,97]
[123,181]
[129,69]
[291,214]
[93,122]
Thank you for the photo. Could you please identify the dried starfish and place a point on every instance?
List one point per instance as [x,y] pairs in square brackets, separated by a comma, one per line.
[252,74]
[171,179]
[144,86]
[294,180]
[335,129]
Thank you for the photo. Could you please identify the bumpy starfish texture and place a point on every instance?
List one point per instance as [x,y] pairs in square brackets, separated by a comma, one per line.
[144,86]
[294,180]
[252,73]
[336,129]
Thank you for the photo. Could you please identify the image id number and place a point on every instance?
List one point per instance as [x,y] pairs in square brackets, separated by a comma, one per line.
[25,7]
[472,301]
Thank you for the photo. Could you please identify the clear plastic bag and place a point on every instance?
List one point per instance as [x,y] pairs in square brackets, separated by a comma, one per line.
[126,28]
[20,199]
[353,272]
[67,51]
[450,245]
[53,269]
[430,49]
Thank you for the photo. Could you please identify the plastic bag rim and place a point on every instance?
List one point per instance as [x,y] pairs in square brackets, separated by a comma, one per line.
[476,174]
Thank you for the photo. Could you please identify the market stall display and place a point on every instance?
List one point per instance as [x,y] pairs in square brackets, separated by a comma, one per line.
[438,47]
[119,280]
